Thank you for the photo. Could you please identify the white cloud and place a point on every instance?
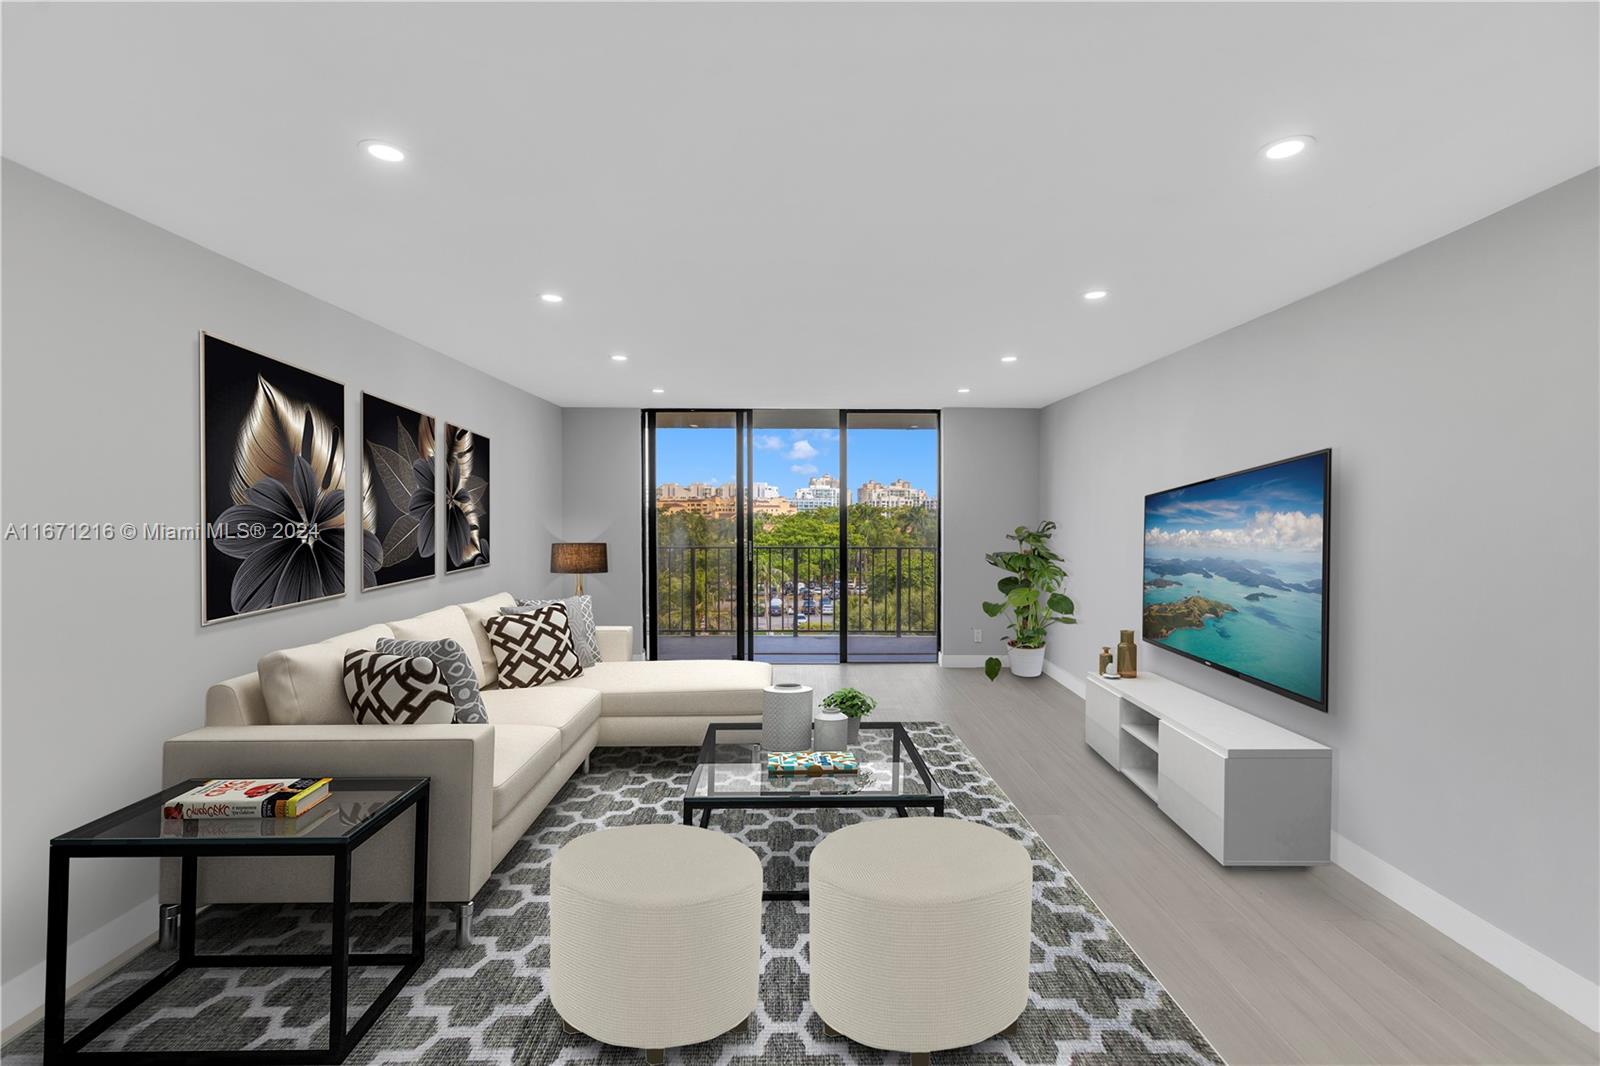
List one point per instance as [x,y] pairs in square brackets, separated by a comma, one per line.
[1267,531]
[802,450]
[766,442]
[803,468]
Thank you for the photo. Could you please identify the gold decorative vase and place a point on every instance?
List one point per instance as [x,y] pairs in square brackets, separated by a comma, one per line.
[1127,655]
[1105,661]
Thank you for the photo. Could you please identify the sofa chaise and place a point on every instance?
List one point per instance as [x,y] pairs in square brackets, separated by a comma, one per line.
[488,782]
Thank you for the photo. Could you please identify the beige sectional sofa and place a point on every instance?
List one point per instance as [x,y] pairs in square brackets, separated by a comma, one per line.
[489,782]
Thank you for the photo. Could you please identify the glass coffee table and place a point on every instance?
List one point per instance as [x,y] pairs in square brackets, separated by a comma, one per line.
[731,774]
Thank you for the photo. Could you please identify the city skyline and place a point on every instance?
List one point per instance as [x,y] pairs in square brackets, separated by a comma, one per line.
[789,459]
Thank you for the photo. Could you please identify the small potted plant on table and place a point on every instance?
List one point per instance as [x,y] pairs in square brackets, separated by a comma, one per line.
[854,705]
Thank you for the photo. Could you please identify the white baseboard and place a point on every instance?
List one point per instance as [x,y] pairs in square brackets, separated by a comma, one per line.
[1066,678]
[965,661]
[90,958]
[1571,991]
[1549,979]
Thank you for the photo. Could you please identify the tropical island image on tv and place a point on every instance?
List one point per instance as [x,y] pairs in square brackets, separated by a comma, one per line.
[1234,571]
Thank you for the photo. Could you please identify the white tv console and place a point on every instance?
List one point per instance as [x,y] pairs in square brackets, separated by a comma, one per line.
[1251,793]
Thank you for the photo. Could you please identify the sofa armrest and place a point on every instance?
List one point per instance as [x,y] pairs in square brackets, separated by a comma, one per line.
[616,643]
[458,760]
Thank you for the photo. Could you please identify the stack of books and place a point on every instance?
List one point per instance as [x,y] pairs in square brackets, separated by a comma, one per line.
[811,763]
[249,797]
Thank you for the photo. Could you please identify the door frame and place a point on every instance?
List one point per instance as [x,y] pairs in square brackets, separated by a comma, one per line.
[744,521]
[741,521]
[938,534]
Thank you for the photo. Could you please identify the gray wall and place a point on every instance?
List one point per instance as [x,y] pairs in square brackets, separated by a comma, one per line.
[602,499]
[104,657]
[989,482]
[1457,388]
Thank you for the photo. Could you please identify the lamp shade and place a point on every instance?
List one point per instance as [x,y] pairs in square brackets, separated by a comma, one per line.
[577,558]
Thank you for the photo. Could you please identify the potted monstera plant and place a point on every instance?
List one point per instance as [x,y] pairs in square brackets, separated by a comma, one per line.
[1033,598]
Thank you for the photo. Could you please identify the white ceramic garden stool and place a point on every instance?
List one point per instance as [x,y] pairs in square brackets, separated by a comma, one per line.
[920,933]
[655,936]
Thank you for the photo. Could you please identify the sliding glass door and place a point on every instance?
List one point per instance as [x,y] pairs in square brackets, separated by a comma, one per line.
[695,527]
[892,536]
[796,500]
[793,536]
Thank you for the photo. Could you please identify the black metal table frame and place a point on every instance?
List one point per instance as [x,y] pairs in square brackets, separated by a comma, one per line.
[342,1037]
[901,803]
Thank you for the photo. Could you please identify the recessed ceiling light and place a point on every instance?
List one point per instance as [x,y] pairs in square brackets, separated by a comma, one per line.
[1008,359]
[386,152]
[658,392]
[618,357]
[963,390]
[1288,147]
[552,297]
[1096,294]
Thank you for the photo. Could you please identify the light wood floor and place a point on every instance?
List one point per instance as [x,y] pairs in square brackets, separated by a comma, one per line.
[1274,966]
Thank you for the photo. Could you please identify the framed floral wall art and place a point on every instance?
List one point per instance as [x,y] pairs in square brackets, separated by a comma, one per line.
[272,485]
[398,472]
[466,493]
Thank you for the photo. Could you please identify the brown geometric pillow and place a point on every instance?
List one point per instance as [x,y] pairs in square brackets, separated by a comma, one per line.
[532,647]
[396,689]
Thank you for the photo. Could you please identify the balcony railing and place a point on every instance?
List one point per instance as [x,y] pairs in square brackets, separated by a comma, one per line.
[797,589]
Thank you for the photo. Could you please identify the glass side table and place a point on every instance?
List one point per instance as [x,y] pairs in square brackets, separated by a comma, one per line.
[355,811]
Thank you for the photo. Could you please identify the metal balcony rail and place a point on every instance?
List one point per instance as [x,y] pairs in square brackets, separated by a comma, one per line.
[798,589]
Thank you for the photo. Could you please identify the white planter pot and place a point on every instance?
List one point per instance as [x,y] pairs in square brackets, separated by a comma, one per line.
[786,718]
[832,731]
[1026,662]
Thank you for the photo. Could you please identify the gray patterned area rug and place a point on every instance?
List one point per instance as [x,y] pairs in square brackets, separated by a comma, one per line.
[1093,1001]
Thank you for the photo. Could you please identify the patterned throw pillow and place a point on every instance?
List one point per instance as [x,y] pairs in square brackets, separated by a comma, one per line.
[532,647]
[454,668]
[395,689]
[580,616]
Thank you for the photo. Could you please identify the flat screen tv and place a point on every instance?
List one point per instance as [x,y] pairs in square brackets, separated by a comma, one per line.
[1235,573]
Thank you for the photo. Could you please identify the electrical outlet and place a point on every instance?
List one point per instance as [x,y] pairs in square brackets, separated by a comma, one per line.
[977,635]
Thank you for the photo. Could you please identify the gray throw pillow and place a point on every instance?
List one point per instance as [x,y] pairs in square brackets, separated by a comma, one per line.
[580,616]
[455,670]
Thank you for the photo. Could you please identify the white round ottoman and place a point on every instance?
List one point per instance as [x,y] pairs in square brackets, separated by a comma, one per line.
[655,935]
[920,933]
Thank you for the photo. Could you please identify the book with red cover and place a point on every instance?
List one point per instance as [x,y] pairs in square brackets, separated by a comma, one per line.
[249,797]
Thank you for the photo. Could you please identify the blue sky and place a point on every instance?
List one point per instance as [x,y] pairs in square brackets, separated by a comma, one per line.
[789,458]
[1278,508]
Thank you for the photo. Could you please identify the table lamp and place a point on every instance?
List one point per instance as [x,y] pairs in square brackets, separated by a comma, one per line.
[578,559]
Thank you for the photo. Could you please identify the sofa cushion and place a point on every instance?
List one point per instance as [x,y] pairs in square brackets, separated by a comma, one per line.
[479,612]
[523,754]
[386,689]
[702,687]
[533,647]
[447,623]
[305,685]
[574,711]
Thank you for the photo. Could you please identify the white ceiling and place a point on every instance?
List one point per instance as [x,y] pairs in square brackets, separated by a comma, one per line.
[804,205]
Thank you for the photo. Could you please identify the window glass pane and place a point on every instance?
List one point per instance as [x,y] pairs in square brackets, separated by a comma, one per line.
[795,495]
[696,535]
[892,563]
